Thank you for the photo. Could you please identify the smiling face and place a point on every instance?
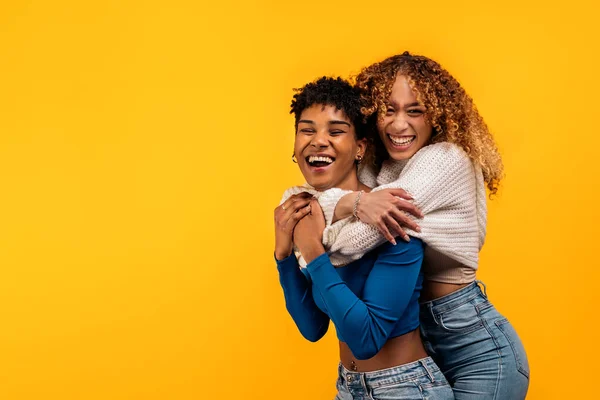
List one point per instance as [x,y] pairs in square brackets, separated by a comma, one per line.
[326,148]
[403,128]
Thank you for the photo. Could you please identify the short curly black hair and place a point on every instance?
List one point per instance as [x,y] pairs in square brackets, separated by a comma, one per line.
[336,92]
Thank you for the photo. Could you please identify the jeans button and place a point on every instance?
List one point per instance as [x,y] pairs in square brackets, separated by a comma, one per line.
[350,379]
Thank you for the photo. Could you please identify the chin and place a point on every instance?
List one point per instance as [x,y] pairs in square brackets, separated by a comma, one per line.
[402,155]
[320,186]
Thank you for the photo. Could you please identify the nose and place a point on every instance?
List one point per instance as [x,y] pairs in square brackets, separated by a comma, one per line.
[320,139]
[399,124]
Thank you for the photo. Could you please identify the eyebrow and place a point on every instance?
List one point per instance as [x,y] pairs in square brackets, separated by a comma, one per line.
[332,122]
[336,122]
[414,104]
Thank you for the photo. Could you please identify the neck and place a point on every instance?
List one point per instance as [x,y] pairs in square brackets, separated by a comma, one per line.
[349,183]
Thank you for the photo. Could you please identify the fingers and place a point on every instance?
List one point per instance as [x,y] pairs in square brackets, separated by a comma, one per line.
[394,227]
[399,193]
[293,220]
[297,205]
[397,228]
[293,204]
[408,207]
[385,232]
[294,198]
[301,213]
[391,225]
[404,220]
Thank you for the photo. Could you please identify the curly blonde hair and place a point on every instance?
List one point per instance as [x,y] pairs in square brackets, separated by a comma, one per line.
[449,109]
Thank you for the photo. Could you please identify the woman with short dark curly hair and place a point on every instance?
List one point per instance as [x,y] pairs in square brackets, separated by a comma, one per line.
[373,301]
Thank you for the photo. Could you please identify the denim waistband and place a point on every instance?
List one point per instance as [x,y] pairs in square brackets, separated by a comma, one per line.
[454,299]
[402,373]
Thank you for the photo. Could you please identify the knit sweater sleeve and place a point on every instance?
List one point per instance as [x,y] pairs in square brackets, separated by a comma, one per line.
[295,190]
[327,200]
[443,182]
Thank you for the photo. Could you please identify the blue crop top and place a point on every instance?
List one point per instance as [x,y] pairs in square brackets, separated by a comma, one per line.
[369,300]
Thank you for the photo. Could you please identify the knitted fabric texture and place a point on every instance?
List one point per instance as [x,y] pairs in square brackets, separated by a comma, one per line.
[445,184]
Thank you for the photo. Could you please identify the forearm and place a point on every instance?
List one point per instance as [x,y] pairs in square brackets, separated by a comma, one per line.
[352,240]
[312,250]
[283,253]
[345,207]
[310,320]
[365,323]
[435,178]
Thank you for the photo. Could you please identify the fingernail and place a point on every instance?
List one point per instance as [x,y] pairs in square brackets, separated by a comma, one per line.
[393,242]
[419,229]
[407,238]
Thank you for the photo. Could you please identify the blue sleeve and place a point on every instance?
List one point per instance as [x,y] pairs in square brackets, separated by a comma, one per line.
[297,290]
[366,324]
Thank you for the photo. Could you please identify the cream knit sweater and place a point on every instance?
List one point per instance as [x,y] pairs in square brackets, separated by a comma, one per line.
[448,188]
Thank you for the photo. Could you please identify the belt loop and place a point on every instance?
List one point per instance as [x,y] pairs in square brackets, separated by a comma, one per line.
[429,374]
[484,287]
[363,381]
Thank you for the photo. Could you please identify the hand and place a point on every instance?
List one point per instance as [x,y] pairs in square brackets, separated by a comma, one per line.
[308,234]
[386,210]
[287,216]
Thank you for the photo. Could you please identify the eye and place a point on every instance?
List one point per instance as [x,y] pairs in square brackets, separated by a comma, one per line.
[389,111]
[307,130]
[336,132]
[415,112]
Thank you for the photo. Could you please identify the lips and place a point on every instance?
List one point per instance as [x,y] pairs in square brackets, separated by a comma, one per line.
[319,161]
[401,142]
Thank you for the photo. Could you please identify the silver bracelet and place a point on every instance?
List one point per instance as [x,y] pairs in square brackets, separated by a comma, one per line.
[356,201]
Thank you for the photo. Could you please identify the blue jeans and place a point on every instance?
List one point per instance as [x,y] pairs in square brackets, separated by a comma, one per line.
[418,380]
[476,348]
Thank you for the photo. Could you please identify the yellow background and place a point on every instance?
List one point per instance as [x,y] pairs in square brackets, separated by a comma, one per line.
[144,145]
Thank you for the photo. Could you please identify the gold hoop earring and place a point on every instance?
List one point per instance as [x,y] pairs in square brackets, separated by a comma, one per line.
[294,159]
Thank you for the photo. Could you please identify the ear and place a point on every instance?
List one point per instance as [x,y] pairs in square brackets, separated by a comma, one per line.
[361,145]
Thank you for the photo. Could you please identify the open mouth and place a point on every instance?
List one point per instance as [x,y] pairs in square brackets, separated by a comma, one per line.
[319,161]
[402,141]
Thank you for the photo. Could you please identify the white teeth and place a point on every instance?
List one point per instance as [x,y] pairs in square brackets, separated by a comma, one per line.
[313,159]
[401,140]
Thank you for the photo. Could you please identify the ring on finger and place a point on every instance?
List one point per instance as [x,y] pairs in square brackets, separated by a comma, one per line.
[283,206]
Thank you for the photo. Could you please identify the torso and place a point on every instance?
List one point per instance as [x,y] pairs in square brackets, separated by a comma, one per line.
[434,290]
[396,351]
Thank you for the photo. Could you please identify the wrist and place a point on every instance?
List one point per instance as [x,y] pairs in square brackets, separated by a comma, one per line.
[344,207]
[356,204]
[282,254]
[312,250]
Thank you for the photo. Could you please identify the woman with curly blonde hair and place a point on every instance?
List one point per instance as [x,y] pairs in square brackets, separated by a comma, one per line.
[430,141]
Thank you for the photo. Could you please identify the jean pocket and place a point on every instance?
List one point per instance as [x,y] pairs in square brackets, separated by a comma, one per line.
[404,390]
[462,319]
[516,345]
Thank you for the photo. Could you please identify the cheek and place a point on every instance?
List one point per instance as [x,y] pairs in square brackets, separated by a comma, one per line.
[424,129]
[298,146]
[381,124]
